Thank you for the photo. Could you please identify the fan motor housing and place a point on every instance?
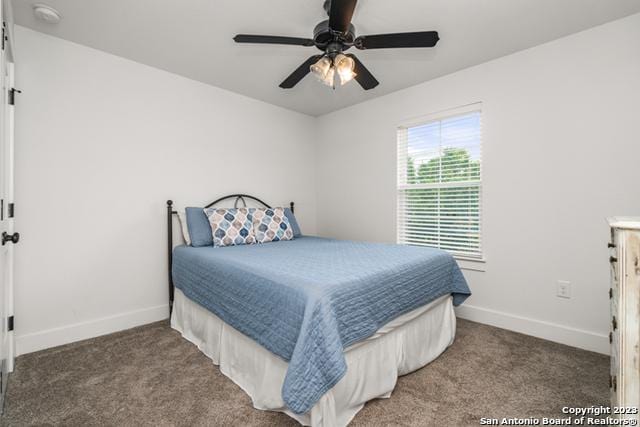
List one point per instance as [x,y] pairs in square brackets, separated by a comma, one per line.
[323,36]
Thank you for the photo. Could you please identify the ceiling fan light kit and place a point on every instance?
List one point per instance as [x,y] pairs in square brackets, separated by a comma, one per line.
[335,36]
[327,68]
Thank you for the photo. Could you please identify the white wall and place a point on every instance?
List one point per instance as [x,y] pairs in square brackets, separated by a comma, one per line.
[102,143]
[560,151]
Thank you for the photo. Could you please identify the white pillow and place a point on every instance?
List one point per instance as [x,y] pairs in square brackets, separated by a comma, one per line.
[182,216]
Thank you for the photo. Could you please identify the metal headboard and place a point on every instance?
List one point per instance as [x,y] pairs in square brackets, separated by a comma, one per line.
[170,213]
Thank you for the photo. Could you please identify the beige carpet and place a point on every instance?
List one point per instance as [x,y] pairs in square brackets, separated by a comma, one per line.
[151,376]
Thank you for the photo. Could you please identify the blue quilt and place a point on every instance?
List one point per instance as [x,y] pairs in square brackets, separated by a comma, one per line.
[308,299]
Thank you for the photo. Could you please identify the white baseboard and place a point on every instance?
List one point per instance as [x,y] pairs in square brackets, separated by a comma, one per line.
[29,343]
[586,340]
[546,330]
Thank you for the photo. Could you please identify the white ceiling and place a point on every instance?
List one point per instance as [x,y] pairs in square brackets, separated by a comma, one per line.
[193,38]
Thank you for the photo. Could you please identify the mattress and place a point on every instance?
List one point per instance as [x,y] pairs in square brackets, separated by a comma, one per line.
[308,299]
[403,345]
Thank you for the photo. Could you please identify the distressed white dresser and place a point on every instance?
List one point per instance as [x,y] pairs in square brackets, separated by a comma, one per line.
[624,295]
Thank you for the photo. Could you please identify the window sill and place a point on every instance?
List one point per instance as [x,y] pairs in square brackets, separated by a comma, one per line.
[471,264]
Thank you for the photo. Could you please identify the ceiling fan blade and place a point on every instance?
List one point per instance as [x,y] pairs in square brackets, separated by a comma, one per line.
[363,76]
[384,41]
[340,14]
[249,38]
[300,72]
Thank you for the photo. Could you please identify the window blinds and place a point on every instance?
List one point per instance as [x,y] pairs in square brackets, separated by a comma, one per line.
[439,183]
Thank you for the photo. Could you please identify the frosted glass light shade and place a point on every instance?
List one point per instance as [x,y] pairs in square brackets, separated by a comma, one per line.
[344,66]
[321,68]
[329,78]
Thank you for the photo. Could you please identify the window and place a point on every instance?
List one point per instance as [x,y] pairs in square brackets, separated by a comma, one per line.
[440,183]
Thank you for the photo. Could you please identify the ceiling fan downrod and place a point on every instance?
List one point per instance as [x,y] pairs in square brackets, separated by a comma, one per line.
[327,6]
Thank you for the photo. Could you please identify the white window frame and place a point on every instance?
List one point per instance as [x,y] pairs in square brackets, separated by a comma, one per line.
[469,261]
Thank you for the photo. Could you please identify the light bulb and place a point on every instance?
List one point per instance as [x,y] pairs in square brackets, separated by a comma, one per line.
[344,65]
[321,68]
[330,77]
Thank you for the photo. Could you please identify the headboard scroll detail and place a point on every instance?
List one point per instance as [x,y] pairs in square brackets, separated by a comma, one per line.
[238,198]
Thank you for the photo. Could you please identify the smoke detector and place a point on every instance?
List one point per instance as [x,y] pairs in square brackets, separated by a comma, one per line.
[46,13]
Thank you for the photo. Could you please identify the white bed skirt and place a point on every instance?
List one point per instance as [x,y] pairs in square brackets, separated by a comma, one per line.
[373,366]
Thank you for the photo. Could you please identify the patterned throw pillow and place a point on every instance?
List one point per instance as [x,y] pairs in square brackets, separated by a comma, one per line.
[271,225]
[231,226]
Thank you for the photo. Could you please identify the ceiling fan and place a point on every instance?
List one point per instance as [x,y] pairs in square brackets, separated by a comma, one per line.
[335,36]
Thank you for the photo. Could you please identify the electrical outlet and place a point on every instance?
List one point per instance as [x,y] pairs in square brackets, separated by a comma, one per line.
[564,289]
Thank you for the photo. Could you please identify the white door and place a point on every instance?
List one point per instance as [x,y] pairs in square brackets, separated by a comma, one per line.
[7,236]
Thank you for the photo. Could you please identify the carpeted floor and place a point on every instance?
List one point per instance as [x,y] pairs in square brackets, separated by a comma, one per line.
[151,376]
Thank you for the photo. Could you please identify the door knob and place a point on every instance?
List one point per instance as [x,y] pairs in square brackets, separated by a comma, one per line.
[13,238]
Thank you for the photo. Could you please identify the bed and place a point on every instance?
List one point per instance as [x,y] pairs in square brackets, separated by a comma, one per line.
[314,327]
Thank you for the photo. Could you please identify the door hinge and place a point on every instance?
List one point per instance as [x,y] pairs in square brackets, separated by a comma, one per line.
[12,95]
[4,34]
[10,210]
[10,323]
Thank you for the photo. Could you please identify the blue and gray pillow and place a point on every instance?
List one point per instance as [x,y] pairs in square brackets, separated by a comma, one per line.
[271,225]
[231,227]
